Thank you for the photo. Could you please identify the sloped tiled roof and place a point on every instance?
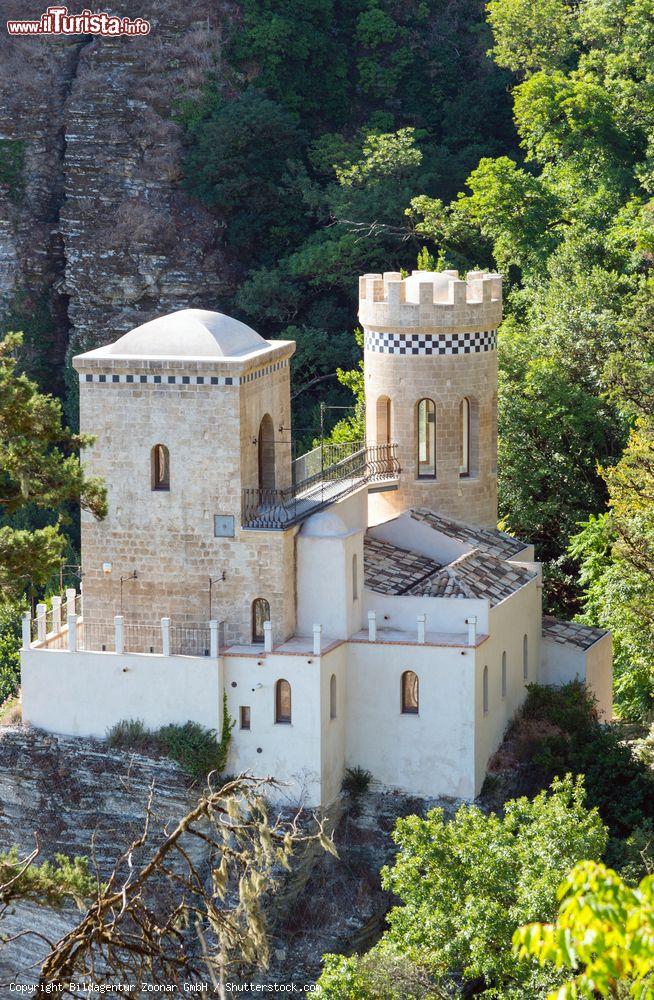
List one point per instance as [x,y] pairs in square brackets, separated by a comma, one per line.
[389,569]
[571,633]
[498,543]
[477,574]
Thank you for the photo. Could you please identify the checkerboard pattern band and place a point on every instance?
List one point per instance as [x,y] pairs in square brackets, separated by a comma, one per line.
[183,379]
[419,343]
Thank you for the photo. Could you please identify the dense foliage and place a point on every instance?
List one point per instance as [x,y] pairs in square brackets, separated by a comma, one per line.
[466,884]
[558,731]
[10,640]
[333,117]
[603,936]
[39,467]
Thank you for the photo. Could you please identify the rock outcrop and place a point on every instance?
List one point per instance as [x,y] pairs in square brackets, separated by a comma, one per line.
[96,233]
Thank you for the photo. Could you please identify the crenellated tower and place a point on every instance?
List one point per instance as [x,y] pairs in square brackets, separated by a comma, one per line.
[431,387]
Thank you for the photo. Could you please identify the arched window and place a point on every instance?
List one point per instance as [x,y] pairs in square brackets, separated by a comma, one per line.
[355,577]
[383,420]
[160,467]
[426,439]
[464,469]
[525,657]
[410,693]
[485,690]
[504,674]
[283,702]
[266,441]
[260,614]
[332,697]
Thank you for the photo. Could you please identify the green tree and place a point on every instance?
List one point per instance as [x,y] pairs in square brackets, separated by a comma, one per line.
[602,939]
[467,883]
[39,465]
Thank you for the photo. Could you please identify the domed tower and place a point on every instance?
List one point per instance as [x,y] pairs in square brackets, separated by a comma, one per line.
[187,411]
[431,387]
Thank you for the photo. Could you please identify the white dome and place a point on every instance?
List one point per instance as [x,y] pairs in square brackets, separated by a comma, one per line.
[189,333]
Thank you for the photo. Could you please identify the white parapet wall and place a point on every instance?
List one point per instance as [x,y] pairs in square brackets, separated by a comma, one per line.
[86,693]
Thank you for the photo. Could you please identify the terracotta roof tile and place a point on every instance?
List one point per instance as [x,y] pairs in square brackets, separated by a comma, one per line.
[389,569]
[571,633]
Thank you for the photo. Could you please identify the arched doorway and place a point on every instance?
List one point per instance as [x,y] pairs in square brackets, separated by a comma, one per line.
[266,454]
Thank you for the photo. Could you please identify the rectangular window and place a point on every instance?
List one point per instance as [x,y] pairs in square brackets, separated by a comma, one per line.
[426,439]
[244,712]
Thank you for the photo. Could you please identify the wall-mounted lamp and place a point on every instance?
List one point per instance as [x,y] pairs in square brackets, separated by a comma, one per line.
[124,579]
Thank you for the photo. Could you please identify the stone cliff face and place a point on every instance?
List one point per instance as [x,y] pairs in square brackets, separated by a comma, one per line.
[96,235]
[73,797]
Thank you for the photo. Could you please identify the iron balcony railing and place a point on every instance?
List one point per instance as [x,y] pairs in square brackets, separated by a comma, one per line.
[278,509]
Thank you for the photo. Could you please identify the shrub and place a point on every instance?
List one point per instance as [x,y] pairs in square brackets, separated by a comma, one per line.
[131,734]
[10,640]
[197,749]
[558,730]
[356,781]
[383,973]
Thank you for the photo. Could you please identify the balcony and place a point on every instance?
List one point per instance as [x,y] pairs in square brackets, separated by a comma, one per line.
[321,477]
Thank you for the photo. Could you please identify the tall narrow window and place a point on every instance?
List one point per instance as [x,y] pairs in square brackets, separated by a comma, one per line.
[266,445]
[355,577]
[383,420]
[244,712]
[525,658]
[504,674]
[426,439]
[464,468]
[485,690]
[260,615]
[332,697]
[410,693]
[283,702]
[160,467]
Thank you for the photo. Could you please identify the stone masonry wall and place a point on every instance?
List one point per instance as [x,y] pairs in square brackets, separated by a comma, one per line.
[168,536]
[446,380]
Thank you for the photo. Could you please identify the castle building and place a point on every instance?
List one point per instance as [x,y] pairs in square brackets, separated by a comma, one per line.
[356,605]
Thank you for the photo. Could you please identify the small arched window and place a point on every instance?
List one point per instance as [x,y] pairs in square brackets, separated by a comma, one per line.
[464,468]
[485,690]
[160,467]
[426,439]
[504,674]
[383,420]
[355,577]
[283,702]
[260,615]
[332,697]
[525,658]
[410,693]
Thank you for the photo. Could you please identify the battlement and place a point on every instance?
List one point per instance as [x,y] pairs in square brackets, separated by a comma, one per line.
[431,300]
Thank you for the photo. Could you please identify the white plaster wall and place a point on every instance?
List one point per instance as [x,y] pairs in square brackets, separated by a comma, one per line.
[561,663]
[443,614]
[84,694]
[431,753]
[334,730]
[510,620]
[599,675]
[290,753]
[326,547]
